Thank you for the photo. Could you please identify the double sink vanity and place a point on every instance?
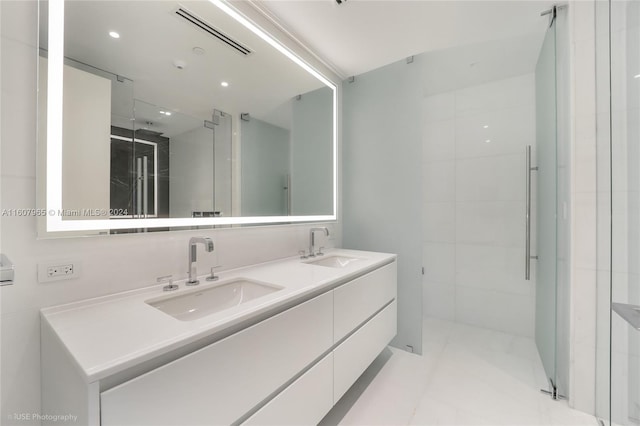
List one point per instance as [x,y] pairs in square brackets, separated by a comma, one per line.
[274,343]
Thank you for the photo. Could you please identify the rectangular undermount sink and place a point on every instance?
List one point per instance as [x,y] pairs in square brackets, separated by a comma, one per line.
[207,301]
[334,261]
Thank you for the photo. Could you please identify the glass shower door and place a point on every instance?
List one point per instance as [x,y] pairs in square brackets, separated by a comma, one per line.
[546,190]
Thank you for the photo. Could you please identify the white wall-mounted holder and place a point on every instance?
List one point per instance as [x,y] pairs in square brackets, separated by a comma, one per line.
[7,270]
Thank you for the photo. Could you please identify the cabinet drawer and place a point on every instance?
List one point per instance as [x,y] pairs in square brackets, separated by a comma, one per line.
[304,402]
[221,382]
[356,301]
[355,354]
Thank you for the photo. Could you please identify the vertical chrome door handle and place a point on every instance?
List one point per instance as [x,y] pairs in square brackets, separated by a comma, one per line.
[527,243]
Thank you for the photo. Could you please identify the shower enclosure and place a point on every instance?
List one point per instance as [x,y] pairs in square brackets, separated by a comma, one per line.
[548,174]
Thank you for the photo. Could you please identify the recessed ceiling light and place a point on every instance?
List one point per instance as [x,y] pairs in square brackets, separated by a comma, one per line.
[486,126]
[224,84]
[167,113]
[114,34]
[487,141]
[162,112]
[636,76]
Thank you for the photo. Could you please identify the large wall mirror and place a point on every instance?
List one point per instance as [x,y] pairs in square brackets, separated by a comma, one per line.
[159,115]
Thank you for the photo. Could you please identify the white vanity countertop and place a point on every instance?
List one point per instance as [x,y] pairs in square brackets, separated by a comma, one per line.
[109,334]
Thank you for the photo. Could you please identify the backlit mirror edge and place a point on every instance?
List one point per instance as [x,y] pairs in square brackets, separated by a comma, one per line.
[249,17]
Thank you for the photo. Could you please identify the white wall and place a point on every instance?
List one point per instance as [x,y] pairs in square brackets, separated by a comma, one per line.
[473,204]
[109,264]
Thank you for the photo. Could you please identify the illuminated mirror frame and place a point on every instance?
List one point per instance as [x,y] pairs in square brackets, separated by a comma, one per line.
[55,223]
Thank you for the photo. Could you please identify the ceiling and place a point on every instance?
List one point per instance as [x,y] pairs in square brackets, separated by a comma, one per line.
[360,35]
[465,43]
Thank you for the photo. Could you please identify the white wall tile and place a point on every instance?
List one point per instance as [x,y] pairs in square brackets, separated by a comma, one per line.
[603,231]
[619,73]
[492,268]
[490,223]
[584,236]
[630,148]
[439,262]
[438,141]
[485,224]
[20,365]
[583,305]
[582,386]
[14,17]
[508,132]
[620,232]
[501,94]
[585,96]
[438,107]
[439,181]
[583,20]
[499,178]
[633,230]
[584,164]
[603,152]
[18,77]
[439,221]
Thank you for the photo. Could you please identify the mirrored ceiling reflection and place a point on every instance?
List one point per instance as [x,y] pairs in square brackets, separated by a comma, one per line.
[175,78]
[169,50]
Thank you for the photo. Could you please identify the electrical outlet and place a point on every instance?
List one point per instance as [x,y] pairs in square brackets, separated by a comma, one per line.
[60,270]
[57,271]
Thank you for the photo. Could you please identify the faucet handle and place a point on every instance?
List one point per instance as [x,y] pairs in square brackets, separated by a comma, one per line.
[320,253]
[213,276]
[302,254]
[167,278]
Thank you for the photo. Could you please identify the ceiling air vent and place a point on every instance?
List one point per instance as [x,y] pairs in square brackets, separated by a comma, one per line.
[203,25]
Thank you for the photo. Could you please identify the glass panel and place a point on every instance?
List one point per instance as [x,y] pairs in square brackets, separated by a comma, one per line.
[546,161]
[625,241]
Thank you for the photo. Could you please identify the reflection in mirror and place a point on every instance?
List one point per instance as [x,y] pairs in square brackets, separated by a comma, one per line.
[175,110]
[273,153]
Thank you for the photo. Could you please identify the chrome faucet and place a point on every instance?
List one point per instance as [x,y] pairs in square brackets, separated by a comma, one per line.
[193,255]
[312,239]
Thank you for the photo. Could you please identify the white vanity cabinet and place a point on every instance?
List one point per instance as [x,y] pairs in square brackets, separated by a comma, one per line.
[288,369]
[218,384]
[358,300]
[304,402]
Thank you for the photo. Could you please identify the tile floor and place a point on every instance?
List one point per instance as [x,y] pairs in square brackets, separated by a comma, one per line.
[466,376]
